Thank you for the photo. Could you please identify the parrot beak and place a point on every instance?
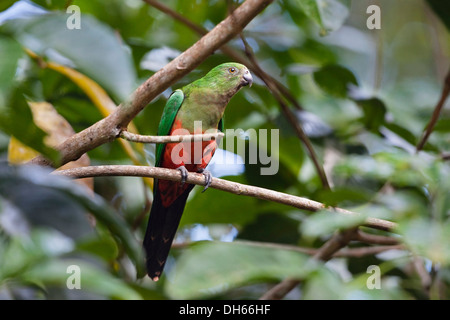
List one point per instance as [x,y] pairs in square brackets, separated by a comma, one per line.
[248,79]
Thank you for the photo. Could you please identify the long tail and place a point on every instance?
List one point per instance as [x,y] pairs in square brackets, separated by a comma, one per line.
[162,226]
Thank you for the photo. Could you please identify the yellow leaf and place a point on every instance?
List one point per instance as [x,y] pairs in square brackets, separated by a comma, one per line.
[100,99]
[57,128]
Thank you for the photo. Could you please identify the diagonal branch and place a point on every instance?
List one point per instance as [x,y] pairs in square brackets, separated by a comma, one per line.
[109,128]
[325,253]
[437,110]
[289,115]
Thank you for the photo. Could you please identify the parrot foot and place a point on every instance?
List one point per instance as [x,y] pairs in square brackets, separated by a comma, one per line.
[184,174]
[208,178]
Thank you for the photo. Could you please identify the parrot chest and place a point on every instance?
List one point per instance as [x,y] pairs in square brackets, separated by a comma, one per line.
[194,156]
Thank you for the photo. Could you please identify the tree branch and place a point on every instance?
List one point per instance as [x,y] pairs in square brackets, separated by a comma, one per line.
[326,252]
[437,110]
[109,128]
[350,252]
[220,184]
[375,238]
[332,248]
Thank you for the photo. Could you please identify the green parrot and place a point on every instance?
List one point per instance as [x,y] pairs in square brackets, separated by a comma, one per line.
[200,102]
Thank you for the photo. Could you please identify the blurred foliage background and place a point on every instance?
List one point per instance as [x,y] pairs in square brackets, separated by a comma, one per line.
[364,99]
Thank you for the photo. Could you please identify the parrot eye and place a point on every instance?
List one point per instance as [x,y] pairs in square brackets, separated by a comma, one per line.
[232,70]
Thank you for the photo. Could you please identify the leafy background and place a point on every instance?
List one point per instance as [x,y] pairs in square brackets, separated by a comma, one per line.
[366,95]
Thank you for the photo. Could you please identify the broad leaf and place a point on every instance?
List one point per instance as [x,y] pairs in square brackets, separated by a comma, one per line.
[94,49]
[209,268]
[442,9]
[16,120]
[328,14]
[335,80]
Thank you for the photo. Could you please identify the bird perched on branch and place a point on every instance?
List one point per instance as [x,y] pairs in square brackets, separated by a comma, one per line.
[193,109]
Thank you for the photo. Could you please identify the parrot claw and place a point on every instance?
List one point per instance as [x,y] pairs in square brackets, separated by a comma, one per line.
[208,178]
[184,174]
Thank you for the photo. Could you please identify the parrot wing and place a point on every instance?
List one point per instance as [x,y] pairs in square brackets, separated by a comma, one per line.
[169,113]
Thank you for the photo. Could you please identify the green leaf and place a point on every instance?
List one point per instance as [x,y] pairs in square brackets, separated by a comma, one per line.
[52,4]
[428,238]
[92,278]
[272,227]
[374,111]
[6,4]
[216,206]
[32,179]
[16,120]
[402,132]
[442,9]
[343,195]
[328,14]
[94,49]
[10,53]
[335,80]
[209,268]
[442,125]
[326,223]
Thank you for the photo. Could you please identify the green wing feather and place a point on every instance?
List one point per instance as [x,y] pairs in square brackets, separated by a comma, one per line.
[221,125]
[169,113]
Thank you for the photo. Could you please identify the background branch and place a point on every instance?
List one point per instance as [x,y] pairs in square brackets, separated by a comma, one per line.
[437,110]
[109,128]
[328,249]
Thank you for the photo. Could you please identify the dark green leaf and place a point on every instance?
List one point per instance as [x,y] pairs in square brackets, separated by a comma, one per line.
[442,125]
[374,111]
[10,53]
[328,14]
[37,178]
[326,223]
[335,80]
[442,10]
[272,227]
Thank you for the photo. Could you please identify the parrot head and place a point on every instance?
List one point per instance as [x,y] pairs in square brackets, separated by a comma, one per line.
[229,77]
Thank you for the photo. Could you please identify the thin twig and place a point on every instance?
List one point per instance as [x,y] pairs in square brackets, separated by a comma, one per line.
[437,110]
[424,275]
[349,252]
[167,139]
[375,238]
[366,251]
